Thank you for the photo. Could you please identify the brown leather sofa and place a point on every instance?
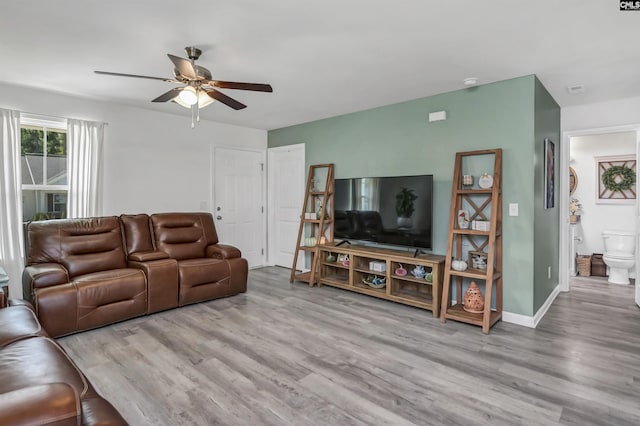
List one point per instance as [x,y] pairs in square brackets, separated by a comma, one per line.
[86,273]
[39,383]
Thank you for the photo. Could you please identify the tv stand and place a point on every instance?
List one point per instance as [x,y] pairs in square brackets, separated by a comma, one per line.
[406,289]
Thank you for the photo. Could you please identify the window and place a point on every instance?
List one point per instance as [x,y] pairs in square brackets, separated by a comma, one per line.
[44,169]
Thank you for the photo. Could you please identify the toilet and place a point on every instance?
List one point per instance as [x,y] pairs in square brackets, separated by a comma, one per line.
[619,255]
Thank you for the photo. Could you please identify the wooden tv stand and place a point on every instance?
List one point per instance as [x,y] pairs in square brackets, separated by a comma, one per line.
[407,289]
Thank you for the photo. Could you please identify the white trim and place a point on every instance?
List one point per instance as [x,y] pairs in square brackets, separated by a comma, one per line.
[518,319]
[528,321]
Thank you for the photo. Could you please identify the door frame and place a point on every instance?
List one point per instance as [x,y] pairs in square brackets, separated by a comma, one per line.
[271,208]
[212,190]
[564,195]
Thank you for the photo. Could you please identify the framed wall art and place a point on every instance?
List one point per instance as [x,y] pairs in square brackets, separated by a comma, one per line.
[573,180]
[549,174]
[478,260]
[616,179]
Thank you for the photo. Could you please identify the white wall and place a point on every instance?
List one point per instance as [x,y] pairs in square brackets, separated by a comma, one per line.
[597,217]
[620,112]
[153,161]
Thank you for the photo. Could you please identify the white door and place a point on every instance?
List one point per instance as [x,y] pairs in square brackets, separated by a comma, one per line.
[287,181]
[238,201]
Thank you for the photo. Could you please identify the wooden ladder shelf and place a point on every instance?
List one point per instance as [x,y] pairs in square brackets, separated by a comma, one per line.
[485,242]
[316,220]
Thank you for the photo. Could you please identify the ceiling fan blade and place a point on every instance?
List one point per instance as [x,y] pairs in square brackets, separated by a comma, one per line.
[184,66]
[256,87]
[219,96]
[119,74]
[167,96]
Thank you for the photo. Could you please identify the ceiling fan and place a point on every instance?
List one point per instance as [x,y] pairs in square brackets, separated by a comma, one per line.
[199,88]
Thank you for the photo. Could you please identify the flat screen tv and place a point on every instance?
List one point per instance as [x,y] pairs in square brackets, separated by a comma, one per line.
[394,210]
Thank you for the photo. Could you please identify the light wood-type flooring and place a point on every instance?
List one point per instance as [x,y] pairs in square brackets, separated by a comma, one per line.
[325,356]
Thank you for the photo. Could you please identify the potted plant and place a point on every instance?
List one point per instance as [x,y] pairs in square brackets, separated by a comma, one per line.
[574,209]
[404,207]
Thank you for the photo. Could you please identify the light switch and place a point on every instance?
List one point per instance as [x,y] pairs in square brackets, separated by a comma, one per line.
[513,209]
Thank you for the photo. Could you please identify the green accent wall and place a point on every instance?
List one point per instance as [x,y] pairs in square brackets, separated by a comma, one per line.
[399,140]
[547,223]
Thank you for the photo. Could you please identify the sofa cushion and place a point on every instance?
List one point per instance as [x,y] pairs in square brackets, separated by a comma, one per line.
[82,246]
[183,235]
[195,272]
[18,322]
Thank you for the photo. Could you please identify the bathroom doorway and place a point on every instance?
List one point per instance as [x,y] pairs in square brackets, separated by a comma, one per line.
[587,155]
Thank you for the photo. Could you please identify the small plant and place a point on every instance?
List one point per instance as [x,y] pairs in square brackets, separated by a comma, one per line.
[404,202]
[40,216]
[574,206]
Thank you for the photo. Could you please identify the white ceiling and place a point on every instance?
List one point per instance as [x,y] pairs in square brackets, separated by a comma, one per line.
[323,58]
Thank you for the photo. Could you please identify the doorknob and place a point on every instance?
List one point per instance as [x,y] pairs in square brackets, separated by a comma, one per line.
[218,217]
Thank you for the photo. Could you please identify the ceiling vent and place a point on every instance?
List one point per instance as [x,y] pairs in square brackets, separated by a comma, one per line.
[575,89]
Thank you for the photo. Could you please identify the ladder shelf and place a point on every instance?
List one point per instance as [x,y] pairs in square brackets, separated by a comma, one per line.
[316,220]
[484,205]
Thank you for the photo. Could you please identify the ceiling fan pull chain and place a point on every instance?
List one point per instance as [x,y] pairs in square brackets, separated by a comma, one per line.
[193,122]
[197,105]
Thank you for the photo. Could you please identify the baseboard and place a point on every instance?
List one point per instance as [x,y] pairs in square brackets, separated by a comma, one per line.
[518,319]
[531,321]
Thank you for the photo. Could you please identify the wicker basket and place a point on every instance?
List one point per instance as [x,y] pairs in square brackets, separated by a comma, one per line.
[584,264]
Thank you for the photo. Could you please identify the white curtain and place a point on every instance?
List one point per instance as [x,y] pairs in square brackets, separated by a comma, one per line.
[84,151]
[11,248]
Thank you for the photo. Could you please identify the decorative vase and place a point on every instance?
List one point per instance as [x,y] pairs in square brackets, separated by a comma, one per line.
[401,272]
[463,219]
[404,222]
[574,218]
[418,271]
[473,299]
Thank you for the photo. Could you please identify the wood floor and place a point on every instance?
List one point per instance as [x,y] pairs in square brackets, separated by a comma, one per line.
[301,356]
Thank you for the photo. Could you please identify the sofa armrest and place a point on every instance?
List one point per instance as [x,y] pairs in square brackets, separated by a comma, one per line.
[56,403]
[222,251]
[42,275]
[146,256]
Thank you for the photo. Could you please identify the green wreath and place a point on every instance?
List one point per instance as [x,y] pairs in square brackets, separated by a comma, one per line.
[609,178]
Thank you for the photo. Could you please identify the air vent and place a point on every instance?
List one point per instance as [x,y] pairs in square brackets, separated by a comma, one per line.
[575,89]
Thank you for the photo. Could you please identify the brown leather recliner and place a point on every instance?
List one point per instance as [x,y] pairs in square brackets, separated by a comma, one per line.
[39,383]
[206,269]
[78,277]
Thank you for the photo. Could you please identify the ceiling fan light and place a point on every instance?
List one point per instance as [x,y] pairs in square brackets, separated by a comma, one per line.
[204,99]
[188,96]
